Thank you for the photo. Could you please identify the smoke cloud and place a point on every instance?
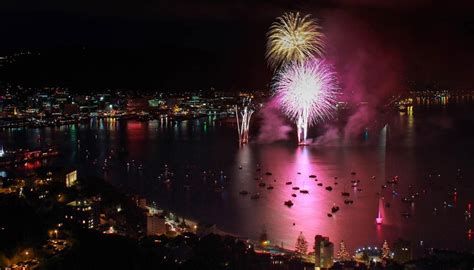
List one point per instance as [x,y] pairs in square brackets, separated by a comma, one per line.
[274,127]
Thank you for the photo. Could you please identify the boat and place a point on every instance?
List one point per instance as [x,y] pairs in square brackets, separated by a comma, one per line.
[347,201]
[289,183]
[262,184]
[345,194]
[320,184]
[312,176]
[329,188]
[293,195]
[255,196]
[244,192]
[296,188]
[329,215]
[288,203]
[268,173]
[304,191]
[270,187]
[406,215]
[334,209]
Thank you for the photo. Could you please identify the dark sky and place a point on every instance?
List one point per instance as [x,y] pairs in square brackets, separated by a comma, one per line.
[375,45]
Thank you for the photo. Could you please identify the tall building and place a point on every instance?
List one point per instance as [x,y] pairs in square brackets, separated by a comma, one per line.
[85,213]
[323,252]
[155,225]
[71,178]
[403,251]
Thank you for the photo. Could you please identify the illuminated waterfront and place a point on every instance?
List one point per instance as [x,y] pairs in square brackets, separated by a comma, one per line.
[436,141]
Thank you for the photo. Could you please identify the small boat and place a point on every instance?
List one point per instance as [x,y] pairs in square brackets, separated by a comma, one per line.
[268,173]
[262,184]
[347,201]
[353,173]
[293,195]
[255,196]
[334,209]
[244,192]
[296,188]
[320,184]
[240,167]
[312,176]
[329,215]
[329,188]
[304,191]
[298,173]
[335,183]
[406,215]
[387,205]
[288,203]
[359,189]
[289,183]
[270,187]
[345,194]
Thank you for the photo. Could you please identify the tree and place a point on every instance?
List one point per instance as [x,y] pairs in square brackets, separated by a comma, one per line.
[385,250]
[301,247]
[342,254]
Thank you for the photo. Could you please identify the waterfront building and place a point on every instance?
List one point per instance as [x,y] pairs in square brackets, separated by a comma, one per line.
[323,252]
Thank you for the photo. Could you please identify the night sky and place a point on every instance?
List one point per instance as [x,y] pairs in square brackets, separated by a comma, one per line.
[376,46]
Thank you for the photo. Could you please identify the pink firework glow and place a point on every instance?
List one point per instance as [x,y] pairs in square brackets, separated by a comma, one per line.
[306,92]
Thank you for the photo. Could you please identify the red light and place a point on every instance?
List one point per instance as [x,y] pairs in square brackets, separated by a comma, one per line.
[378,220]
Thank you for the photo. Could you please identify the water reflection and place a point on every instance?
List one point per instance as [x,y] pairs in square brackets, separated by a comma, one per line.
[193,146]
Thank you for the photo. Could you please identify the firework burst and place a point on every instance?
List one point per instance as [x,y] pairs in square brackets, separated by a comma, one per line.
[293,38]
[306,92]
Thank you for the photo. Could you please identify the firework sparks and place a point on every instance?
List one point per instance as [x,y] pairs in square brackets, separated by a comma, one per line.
[293,38]
[306,91]
[243,124]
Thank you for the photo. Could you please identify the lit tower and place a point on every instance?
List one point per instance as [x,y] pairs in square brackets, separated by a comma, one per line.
[243,115]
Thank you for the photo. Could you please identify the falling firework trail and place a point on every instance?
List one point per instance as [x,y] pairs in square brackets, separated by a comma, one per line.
[245,113]
[293,38]
[306,92]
